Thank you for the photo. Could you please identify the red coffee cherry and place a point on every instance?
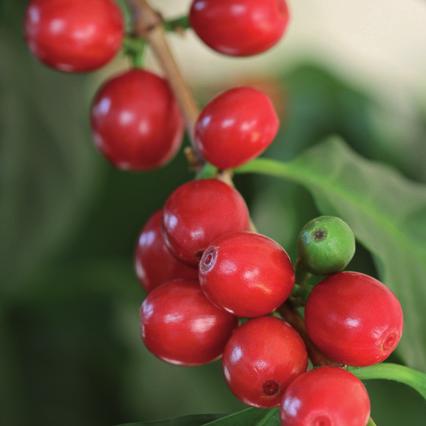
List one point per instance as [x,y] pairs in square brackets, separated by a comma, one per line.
[246,274]
[239,27]
[235,127]
[261,358]
[154,263]
[354,319]
[326,396]
[179,325]
[74,35]
[136,122]
[199,212]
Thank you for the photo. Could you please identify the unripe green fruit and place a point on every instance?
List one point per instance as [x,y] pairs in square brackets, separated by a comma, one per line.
[326,245]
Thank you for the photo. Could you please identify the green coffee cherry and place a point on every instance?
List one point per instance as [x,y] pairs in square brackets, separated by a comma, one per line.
[326,245]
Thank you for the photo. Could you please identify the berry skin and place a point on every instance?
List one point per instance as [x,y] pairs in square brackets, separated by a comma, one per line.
[180,326]
[326,396]
[326,245]
[354,319]
[154,263]
[136,122]
[239,27]
[74,35]
[246,274]
[261,358]
[235,127]
[198,213]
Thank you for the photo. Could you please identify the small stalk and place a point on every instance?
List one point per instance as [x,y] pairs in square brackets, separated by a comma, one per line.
[134,49]
[178,25]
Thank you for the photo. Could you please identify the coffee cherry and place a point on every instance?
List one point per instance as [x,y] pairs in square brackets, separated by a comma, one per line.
[246,274]
[326,245]
[261,358]
[354,319]
[326,396]
[236,127]
[180,326]
[154,263]
[239,27]
[74,35]
[198,213]
[136,122]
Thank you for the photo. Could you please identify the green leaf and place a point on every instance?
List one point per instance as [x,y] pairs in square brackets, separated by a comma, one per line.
[332,103]
[387,213]
[177,24]
[371,422]
[249,417]
[195,420]
[395,372]
[47,170]
[393,403]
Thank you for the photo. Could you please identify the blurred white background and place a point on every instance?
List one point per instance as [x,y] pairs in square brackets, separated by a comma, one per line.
[379,43]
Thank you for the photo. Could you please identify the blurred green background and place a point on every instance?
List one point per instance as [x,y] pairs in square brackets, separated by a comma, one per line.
[69,341]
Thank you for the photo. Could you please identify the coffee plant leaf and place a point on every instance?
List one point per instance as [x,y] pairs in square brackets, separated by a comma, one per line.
[47,160]
[247,417]
[194,420]
[397,373]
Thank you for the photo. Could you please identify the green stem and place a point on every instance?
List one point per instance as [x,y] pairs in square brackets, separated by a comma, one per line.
[302,275]
[207,171]
[299,295]
[395,372]
[301,289]
[371,422]
[177,24]
[134,48]
[137,59]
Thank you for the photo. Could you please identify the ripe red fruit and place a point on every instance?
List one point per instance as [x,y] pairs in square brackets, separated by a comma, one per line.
[136,122]
[236,127]
[239,27]
[154,263]
[246,274]
[261,358]
[199,212]
[326,396]
[354,319]
[179,325]
[74,35]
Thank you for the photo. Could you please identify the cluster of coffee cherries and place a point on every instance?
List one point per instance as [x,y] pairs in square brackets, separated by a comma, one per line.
[215,288]
[136,122]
